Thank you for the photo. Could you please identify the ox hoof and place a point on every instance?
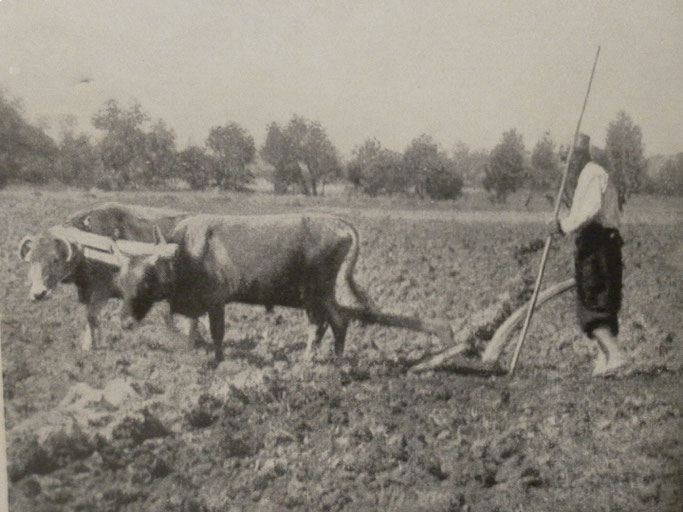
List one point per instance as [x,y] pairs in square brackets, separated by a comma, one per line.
[195,343]
[214,363]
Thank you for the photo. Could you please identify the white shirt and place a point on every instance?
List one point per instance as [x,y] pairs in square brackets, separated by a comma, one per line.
[595,199]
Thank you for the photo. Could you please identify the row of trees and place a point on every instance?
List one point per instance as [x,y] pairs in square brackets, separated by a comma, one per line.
[136,154]
[134,151]
[423,168]
[508,167]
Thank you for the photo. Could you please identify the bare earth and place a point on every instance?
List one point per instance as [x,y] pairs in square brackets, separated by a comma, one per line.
[145,423]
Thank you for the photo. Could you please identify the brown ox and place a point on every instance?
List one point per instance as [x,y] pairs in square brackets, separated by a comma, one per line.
[272,260]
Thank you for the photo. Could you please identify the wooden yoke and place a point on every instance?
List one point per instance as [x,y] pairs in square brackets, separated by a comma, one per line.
[99,247]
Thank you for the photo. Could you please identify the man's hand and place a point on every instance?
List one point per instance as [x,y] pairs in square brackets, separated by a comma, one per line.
[554,228]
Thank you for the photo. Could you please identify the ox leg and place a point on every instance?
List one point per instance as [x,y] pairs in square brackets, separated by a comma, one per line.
[316,331]
[92,334]
[339,323]
[217,327]
[194,337]
[188,327]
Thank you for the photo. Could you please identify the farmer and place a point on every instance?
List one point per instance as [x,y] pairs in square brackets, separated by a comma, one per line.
[594,216]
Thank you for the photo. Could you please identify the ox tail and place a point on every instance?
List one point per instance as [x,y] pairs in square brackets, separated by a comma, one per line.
[440,329]
[368,313]
[361,296]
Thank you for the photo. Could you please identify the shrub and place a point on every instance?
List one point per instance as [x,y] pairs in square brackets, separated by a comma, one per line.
[505,171]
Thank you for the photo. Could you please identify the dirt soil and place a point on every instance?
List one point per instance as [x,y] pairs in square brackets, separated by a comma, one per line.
[145,423]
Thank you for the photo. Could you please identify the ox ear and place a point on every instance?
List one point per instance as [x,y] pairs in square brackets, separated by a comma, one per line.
[61,236]
[86,223]
[26,248]
[67,247]
[158,236]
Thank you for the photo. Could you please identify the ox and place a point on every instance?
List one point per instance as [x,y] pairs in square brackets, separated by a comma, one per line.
[272,260]
[55,258]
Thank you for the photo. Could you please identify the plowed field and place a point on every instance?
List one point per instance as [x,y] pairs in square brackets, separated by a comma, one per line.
[145,423]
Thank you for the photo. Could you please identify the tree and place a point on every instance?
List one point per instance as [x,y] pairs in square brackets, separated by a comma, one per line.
[131,154]
[233,150]
[301,154]
[386,174]
[544,163]
[26,151]
[363,156]
[319,156]
[161,157]
[77,160]
[13,141]
[469,164]
[430,171]
[624,149]
[444,182]
[294,135]
[274,152]
[377,170]
[196,167]
[419,158]
[505,171]
[664,175]
[670,179]
[544,171]
[123,146]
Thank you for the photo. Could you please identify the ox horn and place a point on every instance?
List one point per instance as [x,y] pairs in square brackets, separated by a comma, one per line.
[121,258]
[159,238]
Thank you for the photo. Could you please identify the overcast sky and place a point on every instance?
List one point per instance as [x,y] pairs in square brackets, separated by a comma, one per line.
[456,70]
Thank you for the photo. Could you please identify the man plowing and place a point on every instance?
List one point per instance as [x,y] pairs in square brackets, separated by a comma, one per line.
[594,217]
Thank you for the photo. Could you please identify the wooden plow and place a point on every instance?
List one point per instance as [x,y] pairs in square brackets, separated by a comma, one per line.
[464,358]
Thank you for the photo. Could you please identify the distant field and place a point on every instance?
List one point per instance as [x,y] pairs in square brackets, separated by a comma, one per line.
[471,206]
[265,431]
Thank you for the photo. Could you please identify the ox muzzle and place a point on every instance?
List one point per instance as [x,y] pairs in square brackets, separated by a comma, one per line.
[40,294]
[38,290]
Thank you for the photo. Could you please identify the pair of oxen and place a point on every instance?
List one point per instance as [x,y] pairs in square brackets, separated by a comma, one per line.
[291,260]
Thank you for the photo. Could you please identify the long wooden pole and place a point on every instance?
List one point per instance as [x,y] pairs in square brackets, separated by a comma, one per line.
[4,503]
[546,249]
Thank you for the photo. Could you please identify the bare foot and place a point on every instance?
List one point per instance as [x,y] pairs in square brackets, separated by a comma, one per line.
[600,363]
[612,364]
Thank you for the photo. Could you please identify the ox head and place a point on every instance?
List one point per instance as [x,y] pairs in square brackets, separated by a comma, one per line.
[144,279]
[52,259]
[101,221]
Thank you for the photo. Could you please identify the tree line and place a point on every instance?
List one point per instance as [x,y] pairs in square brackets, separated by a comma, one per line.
[134,151]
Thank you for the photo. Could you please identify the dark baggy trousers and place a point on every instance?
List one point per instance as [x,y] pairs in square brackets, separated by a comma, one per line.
[598,271]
